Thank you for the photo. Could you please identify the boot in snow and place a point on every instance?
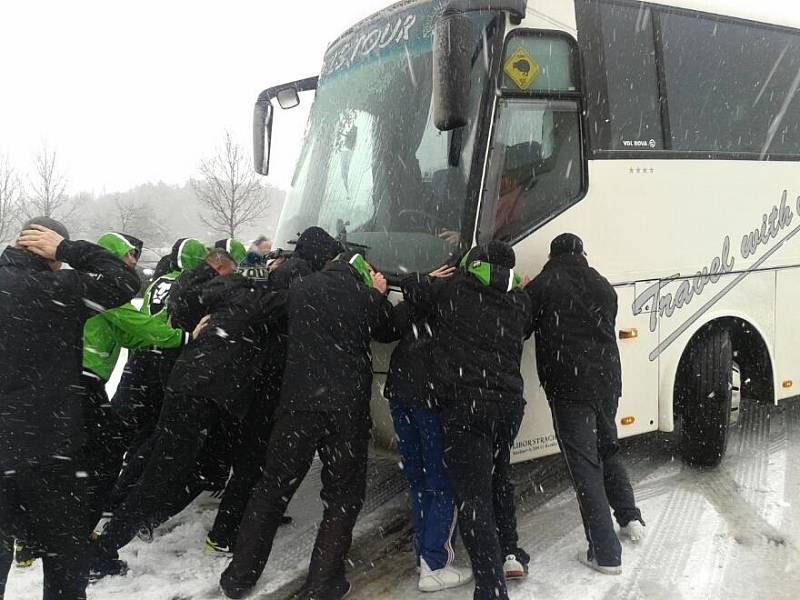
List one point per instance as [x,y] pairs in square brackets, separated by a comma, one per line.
[515,568]
[591,562]
[634,531]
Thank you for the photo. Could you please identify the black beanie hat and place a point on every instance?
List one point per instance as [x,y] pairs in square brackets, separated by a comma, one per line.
[566,243]
[135,242]
[494,252]
[316,246]
[56,226]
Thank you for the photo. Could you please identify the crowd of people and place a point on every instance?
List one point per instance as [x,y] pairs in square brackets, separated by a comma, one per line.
[245,365]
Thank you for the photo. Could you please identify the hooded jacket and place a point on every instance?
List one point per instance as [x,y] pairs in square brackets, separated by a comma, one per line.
[333,316]
[575,309]
[104,335]
[42,316]
[187,253]
[233,247]
[483,319]
[409,380]
[185,304]
[220,364]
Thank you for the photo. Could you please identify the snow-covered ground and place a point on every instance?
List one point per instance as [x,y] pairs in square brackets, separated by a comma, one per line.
[731,532]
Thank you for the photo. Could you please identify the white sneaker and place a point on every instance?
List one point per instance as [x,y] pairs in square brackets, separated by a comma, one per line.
[634,531]
[513,568]
[592,564]
[442,579]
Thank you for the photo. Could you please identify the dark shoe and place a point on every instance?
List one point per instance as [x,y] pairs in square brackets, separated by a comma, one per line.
[107,567]
[145,534]
[24,555]
[337,592]
[218,547]
[286,520]
[235,590]
[104,563]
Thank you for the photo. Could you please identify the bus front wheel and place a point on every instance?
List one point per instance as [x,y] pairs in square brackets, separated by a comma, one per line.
[707,390]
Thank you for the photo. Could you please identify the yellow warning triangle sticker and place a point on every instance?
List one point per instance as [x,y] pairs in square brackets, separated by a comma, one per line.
[521,69]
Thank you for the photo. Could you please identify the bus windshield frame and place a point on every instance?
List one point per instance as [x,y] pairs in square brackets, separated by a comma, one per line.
[341,184]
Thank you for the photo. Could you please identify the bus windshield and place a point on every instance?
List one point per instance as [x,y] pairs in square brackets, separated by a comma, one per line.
[374,169]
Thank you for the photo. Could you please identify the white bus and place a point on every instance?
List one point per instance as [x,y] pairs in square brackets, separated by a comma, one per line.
[665,134]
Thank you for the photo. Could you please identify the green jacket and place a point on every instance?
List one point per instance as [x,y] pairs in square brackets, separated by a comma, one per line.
[125,327]
[155,300]
[104,335]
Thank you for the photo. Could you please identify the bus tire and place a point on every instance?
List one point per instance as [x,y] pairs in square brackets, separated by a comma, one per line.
[707,395]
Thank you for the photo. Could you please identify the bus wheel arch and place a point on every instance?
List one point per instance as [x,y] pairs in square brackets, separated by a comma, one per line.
[721,358]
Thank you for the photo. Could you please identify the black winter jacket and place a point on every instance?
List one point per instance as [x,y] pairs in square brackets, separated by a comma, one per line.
[332,318]
[220,365]
[185,306]
[410,377]
[480,333]
[575,309]
[42,314]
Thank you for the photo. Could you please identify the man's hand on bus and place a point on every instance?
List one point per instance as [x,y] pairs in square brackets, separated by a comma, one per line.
[451,237]
[443,272]
[379,282]
[525,281]
[275,264]
[201,327]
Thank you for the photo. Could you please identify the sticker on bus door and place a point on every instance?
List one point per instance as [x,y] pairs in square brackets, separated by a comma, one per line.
[521,69]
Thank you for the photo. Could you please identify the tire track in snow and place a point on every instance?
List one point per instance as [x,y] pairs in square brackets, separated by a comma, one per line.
[663,555]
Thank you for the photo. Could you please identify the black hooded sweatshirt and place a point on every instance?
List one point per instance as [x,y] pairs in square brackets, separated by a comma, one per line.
[185,305]
[411,367]
[221,364]
[42,314]
[480,334]
[575,309]
[332,318]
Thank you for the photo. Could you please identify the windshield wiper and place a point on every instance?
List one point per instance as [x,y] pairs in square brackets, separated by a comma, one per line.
[341,236]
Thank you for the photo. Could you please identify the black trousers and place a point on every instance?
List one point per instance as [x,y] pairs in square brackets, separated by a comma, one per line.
[48,502]
[6,556]
[341,440]
[102,454]
[248,459]
[587,435]
[139,397]
[166,469]
[477,449]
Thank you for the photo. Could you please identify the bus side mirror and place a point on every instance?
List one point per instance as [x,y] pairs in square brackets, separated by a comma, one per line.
[262,136]
[452,67]
[288,98]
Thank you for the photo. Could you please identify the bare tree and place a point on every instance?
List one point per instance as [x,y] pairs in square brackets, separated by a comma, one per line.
[48,184]
[135,217]
[9,199]
[229,190]
[129,214]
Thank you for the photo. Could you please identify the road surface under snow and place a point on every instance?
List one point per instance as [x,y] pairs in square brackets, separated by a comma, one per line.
[729,532]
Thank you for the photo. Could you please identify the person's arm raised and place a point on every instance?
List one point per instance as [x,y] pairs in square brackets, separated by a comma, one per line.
[98,278]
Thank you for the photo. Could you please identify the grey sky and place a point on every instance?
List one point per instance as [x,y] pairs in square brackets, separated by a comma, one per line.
[131,92]
[135,92]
